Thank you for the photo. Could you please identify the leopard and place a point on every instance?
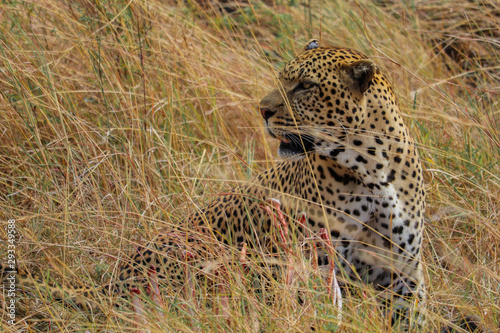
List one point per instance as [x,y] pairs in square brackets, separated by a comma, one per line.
[348,163]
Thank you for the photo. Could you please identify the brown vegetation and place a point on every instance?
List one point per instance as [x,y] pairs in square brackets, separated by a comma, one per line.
[119,118]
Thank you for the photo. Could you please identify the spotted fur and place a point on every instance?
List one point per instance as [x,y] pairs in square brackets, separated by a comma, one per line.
[349,163]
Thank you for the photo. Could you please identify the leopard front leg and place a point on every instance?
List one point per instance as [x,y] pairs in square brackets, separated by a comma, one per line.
[395,274]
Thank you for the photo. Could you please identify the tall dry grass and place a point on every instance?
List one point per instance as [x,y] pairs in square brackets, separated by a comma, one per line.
[120,118]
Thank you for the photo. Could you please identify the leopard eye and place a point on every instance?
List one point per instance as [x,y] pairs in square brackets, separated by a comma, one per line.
[304,86]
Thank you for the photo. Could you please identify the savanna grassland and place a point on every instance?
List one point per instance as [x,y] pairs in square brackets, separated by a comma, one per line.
[119,118]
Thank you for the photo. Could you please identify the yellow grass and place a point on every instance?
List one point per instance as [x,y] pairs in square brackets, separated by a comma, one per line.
[119,118]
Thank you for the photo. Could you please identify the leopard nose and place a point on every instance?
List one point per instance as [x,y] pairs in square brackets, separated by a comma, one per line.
[266,113]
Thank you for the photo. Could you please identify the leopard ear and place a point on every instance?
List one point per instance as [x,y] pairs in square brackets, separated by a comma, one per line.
[312,44]
[359,74]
